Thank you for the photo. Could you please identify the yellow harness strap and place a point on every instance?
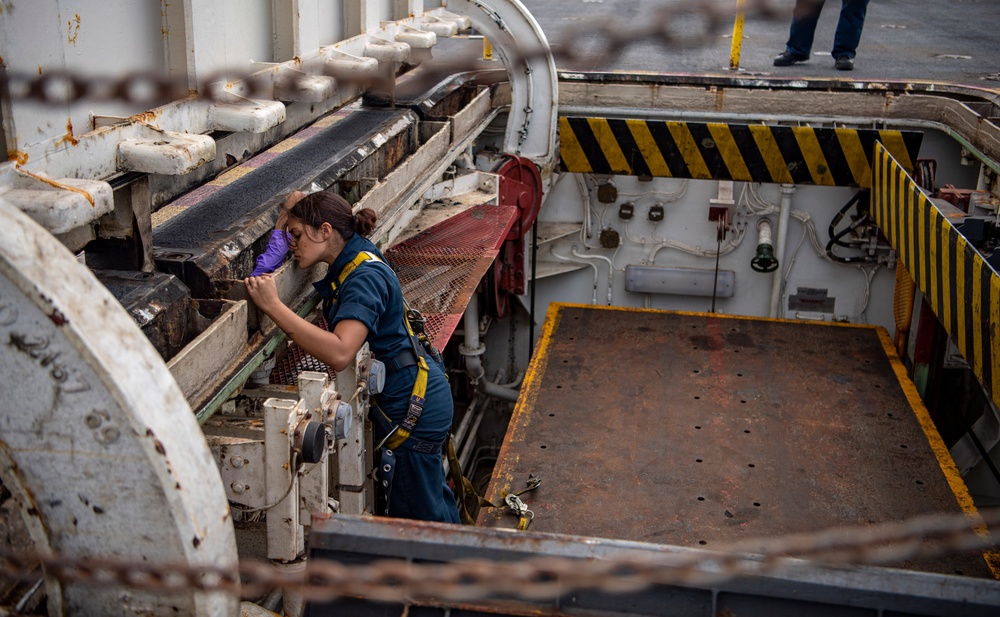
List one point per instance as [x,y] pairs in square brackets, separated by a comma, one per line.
[419,394]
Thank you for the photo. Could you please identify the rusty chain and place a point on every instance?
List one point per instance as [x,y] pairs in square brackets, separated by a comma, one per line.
[681,25]
[529,579]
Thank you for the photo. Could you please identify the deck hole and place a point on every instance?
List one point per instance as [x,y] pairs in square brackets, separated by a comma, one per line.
[868,361]
[743,402]
[746,430]
[739,374]
[889,414]
[543,446]
[697,398]
[736,351]
[902,445]
[698,427]
[756,504]
[702,542]
[552,415]
[701,499]
[698,460]
[695,347]
[959,572]
[920,482]
[750,465]
[878,385]
[565,361]
[558,387]
[732,329]
[695,371]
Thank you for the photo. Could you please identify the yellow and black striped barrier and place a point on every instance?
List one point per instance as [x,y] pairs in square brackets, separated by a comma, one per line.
[962,289]
[720,151]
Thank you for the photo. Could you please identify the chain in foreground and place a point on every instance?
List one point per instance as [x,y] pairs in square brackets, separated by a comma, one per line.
[531,579]
[681,25]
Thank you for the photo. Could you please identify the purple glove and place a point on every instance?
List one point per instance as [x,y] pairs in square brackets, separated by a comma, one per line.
[273,255]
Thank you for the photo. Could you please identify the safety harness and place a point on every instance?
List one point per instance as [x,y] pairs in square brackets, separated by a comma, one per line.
[399,434]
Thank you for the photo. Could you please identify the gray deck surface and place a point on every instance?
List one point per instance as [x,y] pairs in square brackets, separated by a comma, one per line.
[953,41]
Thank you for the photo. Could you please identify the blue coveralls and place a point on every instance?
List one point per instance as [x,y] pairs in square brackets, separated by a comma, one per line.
[371,295]
[845,40]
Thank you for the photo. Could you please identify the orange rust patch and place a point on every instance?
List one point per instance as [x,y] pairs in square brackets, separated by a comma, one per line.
[73,28]
[58,185]
[18,156]
[68,137]
[146,116]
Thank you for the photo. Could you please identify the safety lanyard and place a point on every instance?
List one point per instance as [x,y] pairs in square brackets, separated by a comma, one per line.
[419,394]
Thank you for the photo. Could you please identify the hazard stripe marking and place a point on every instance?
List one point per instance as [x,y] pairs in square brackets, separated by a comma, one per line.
[961,288]
[722,151]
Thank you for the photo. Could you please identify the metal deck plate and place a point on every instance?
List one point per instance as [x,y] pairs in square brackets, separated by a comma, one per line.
[701,430]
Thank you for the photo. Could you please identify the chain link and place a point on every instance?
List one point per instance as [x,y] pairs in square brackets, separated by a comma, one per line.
[530,579]
[681,25]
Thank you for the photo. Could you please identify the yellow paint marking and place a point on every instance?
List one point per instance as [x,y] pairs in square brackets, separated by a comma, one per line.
[930,266]
[521,417]
[285,146]
[854,152]
[813,155]
[977,312]
[569,147]
[925,281]
[647,146]
[689,150]
[730,152]
[961,297]
[944,274]
[893,141]
[231,175]
[609,145]
[772,156]
[995,333]
[937,445]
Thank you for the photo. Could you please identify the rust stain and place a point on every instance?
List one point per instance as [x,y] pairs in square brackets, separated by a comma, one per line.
[39,69]
[58,318]
[146,117]
[68,137]
[17,156]
[58,185]
[156,442]
[73,26]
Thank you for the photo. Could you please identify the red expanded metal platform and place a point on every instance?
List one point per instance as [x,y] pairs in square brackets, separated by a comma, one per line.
[439,270]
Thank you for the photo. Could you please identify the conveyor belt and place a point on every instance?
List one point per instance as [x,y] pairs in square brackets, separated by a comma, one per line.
[700,430]
[275,173]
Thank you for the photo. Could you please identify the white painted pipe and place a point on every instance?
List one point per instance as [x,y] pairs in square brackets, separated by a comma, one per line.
[779,247]
[611,270]
[593,299]
[473,350]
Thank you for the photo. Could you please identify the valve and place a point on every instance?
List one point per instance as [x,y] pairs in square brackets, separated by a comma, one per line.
[310,441]
[374,377]
[343,418]
[764,260]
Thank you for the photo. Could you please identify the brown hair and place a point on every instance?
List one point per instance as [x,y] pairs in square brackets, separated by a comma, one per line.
[329,207]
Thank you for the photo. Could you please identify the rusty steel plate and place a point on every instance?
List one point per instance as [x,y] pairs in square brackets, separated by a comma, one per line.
[702,430]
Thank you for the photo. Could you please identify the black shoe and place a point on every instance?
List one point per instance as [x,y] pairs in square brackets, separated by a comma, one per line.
[845,63]
[788,59]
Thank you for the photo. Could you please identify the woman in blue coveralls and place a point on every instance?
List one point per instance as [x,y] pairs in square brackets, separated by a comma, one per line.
[368,306]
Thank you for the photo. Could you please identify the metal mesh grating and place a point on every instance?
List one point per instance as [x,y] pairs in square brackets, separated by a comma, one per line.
[439,270]
[296,361]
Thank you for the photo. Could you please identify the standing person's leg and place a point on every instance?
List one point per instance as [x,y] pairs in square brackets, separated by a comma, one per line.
[801,33]
[849,26]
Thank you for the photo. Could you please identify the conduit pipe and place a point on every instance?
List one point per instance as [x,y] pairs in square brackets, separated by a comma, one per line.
[611,271]
[593,299]
[473,349]
[779,247]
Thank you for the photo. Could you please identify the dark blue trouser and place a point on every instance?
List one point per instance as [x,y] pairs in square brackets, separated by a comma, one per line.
[849,26]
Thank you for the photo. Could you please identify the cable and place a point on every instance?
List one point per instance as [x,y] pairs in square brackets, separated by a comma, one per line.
[295,456]
[586,263]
